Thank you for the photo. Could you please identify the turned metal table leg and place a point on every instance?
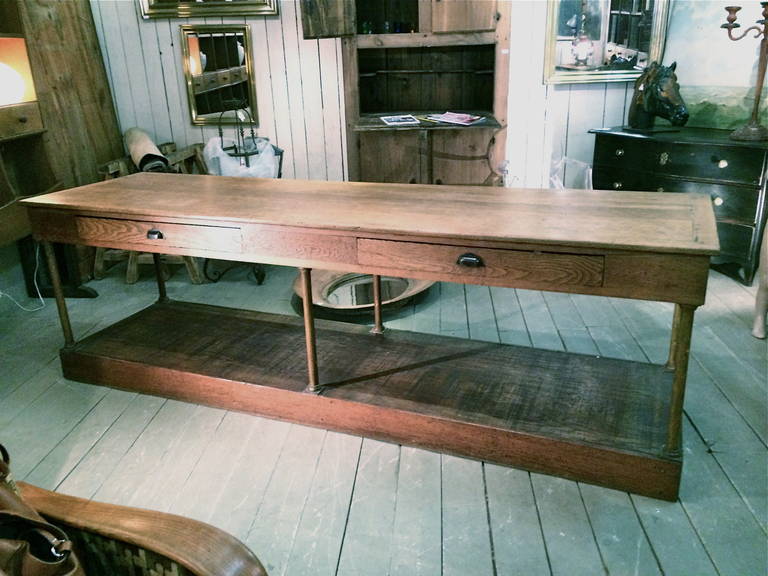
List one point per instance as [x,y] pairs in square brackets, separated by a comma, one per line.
[378,326]
[58,293]
[309,328]
[682,327]
[162,294]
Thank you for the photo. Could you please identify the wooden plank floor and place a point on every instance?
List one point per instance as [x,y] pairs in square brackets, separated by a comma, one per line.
[314,502]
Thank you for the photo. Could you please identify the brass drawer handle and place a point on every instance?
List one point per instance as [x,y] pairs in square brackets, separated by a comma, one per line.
[619,152]
[154,234]
[618,185]
[470,260]
[717,200]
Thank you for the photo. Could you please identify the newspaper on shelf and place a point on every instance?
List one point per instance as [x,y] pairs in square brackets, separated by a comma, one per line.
[401,120]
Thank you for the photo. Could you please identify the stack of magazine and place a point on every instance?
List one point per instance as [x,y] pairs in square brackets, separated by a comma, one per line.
[460,118]
[456,118]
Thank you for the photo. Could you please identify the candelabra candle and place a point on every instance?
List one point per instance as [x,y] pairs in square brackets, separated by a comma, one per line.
[753,130]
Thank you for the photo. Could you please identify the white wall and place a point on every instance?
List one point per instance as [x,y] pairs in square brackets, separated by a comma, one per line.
[299,86]
[548,123]
[300,92]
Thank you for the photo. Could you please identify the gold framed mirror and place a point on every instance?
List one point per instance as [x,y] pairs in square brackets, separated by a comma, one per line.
[603,40]
[218,70]
[202,8]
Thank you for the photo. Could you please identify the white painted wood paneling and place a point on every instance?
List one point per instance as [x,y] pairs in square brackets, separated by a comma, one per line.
[300,93]
[550,122]
[298,83]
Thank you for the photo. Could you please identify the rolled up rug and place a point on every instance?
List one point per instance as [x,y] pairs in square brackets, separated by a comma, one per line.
[145,155]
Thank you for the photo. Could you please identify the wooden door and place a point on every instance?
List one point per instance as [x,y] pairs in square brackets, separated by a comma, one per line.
[463,15]
[393,156]
[461,156]
[327,18]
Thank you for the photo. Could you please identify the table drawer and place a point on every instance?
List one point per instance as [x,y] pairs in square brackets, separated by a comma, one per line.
[517,268]
[113,231]
[20,120]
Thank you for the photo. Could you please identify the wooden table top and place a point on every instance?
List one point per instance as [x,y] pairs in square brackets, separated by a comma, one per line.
[642,221]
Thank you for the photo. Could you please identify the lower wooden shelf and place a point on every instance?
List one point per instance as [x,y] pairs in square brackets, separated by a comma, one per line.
[597,420]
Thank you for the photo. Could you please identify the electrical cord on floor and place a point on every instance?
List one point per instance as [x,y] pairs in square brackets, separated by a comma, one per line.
[37,288]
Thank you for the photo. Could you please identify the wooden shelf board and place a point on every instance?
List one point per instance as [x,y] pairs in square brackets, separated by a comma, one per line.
[424,39]
[396,72]
[593,419]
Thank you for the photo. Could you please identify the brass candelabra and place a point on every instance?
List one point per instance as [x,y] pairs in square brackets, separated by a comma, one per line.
[753,130]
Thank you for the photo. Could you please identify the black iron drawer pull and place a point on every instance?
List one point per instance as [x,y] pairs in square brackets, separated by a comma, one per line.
[154,234]
[470,260]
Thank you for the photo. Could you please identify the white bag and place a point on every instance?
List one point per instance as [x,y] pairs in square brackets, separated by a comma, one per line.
[261,157]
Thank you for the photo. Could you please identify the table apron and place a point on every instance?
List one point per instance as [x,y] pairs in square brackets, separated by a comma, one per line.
[667,277]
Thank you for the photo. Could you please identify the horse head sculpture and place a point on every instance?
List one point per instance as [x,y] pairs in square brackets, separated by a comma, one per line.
[657,93]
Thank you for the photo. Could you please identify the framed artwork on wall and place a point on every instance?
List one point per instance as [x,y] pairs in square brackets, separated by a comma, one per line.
[603,40]
[201,8]
[218,71]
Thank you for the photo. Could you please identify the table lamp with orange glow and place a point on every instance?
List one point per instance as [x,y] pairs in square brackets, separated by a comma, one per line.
[16,85]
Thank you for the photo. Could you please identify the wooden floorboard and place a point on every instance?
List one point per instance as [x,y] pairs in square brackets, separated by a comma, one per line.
[515,523]
[369,530]
[466,539]
[250,472]
[674,541]
[570,540]
[315,502]
[276,523]
[323,524]
[417,532]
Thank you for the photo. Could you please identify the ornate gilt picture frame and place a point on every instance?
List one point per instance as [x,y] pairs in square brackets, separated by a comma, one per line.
[218,71]
[603,40]
[202,8]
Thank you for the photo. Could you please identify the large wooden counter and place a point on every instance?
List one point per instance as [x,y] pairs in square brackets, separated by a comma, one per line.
[609,422]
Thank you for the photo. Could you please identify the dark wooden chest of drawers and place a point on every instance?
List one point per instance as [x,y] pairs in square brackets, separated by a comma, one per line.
[695,160]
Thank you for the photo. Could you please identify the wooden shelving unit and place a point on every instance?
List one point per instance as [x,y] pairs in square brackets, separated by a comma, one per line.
[419,57]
